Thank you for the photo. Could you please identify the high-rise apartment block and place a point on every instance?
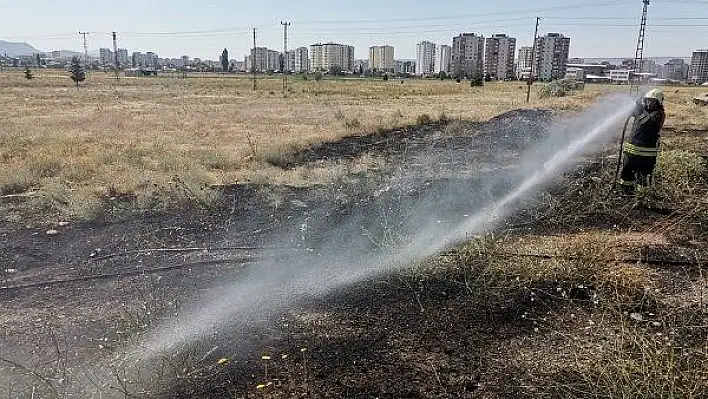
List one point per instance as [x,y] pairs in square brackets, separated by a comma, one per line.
[301,59]
[258,60]
[151,60]
[698,72]
[425,52]
[674,69]
[138,60]
[552,53]
[324,57]
[123,58]
[273,63]
[105,57]
[467,56]
[525,63]
[499,54]
[381,58]
[443,59]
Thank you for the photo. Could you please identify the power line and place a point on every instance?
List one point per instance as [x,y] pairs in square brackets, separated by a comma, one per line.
[634,25]
[480,15]
[627,18]
[418,32]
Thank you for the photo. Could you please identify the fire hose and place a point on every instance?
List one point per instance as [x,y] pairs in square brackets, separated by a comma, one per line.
[621,151]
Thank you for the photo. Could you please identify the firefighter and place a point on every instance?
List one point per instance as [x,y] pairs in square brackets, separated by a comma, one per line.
[642,150]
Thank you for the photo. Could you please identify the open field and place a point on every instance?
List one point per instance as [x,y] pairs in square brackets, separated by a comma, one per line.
[578,293]
[162,140]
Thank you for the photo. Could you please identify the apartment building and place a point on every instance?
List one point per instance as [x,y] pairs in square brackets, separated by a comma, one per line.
[467,59]
[123,59]
[499,55]
[381,58]
[405,66]
[525,63]
[323,57]
[105,57]
[138,60]
[258,60]
[425,53]
[151,60]
[273,63]
[301,61]
[698,73]
[675,69]
[443,58]
[552,51]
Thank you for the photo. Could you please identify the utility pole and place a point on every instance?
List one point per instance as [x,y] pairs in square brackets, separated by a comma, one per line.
[285,57]
[85,48]
[533,61]
[115,53]
[639,55]
[253,59]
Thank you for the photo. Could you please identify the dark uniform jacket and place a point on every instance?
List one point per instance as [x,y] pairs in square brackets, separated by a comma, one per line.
[646,132]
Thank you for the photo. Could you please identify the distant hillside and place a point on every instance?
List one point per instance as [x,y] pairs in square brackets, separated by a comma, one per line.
[15,49]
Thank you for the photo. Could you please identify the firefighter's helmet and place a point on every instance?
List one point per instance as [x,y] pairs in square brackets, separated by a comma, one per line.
[656,94]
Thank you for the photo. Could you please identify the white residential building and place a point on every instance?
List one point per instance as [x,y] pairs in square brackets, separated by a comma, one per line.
[525,62]
[138,59]
[575,74]
[443,59]
[620,76]
[324,57]
[674,69]
[467,56]
[123,58]
[425,57]
[151,59]
[381,58]
[273,63]
[105,57]
[552,53]
[301,59]
[258,60]
[499,54]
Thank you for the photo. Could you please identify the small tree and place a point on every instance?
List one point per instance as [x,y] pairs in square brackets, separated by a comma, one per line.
[477,80]
[28,73]
[225,60]
[78,74]
[317,76]
[442,75]
[385,77]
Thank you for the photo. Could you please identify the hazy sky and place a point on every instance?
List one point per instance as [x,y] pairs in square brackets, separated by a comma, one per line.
[202,29]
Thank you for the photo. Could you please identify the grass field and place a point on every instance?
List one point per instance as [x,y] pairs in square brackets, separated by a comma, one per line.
[160,140]
[164,139]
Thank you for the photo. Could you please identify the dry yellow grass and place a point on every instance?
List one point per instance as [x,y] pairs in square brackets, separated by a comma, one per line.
[156,137]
